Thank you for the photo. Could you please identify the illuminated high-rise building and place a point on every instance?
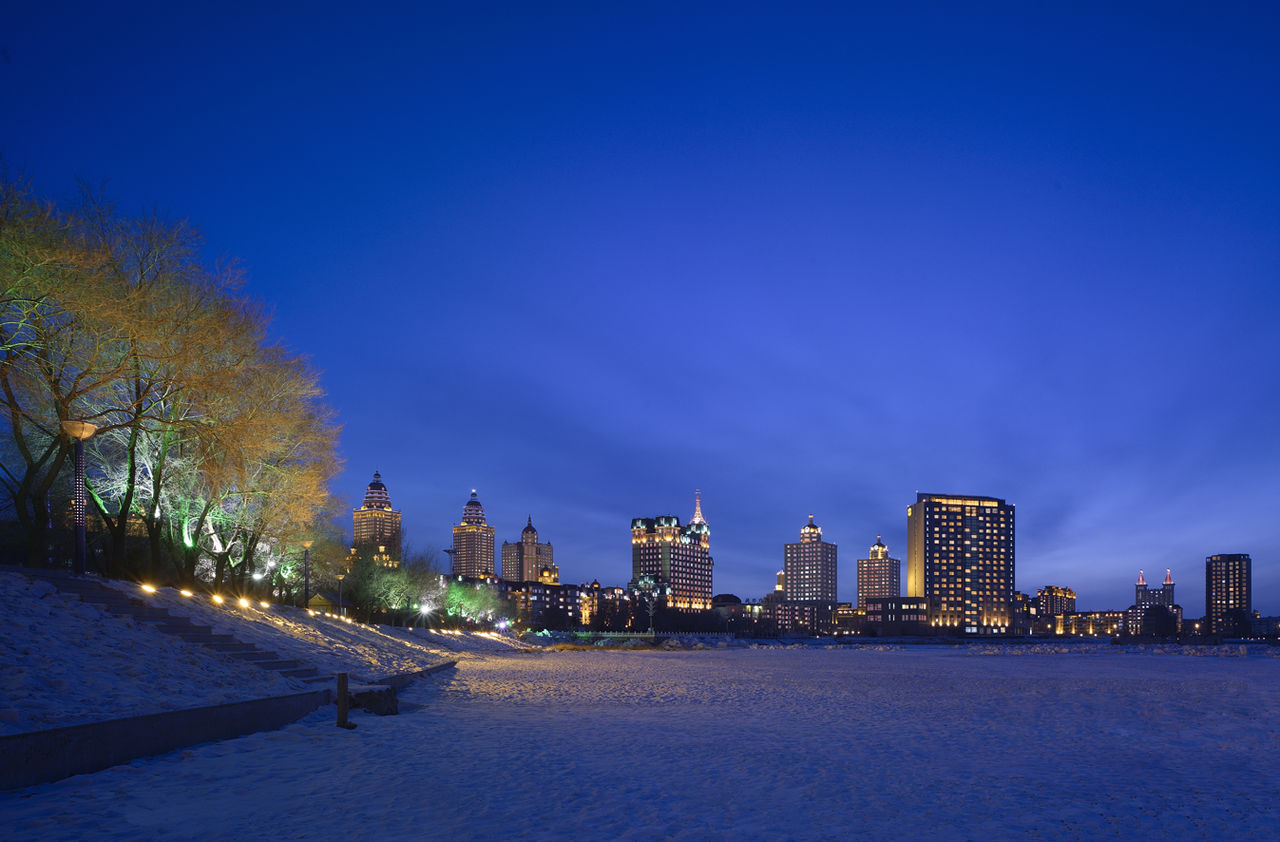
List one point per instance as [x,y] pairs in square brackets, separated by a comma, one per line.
[527,560]
[473,542]
[1228,592]
[1144,596]
[375,526]
[810,567]
[878,575]
[1054,601]
[960,558]
[1139,619]
[675,558]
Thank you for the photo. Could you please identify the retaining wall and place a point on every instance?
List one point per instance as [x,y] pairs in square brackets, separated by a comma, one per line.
[42,756]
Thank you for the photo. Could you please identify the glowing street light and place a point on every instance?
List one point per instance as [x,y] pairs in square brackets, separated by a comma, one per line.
[341,610]
[79,431]
[306,573]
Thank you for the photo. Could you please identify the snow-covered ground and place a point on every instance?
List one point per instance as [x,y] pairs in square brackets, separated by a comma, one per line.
[327,643]
[912,742]
[64,662]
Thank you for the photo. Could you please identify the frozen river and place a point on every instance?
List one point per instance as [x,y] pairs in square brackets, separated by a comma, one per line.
[916,743]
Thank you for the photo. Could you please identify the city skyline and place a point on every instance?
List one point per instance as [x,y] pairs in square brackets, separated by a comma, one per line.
[813,261]
[849,580]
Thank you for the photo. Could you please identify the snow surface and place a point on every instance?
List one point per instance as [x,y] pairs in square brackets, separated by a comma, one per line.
[916,742]
[328,643]
[65,662]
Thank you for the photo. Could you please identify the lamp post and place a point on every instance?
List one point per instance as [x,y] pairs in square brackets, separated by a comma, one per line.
[341,611]
[79,431]
[306,574]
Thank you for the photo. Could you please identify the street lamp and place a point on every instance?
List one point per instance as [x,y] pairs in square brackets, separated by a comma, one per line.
[306,574]
[341,612]
[79,431]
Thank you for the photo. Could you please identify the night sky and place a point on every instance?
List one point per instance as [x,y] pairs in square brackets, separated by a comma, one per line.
[808,259]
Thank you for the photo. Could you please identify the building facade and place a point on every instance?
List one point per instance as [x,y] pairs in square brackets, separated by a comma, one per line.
[473,542]
[1154,612]
[674,557]
[1093,623]
[810,567]
[789,616]
[1228,592]
[543,604]
[960,558]
[1054,601]
[878,575]
[890,616]
[375,526]
[527,560]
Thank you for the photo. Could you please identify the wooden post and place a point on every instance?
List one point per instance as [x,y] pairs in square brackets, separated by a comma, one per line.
[343,698]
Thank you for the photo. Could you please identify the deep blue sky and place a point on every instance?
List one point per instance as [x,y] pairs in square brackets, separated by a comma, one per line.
[587,259]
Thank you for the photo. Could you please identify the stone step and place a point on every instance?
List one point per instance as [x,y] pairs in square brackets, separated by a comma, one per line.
[230,647]
[300,672]
[187,630]
[160,617]
[278,665]
[254,654]
[219,639]
[93,593]
[194,641]
[103,599]
[317,679]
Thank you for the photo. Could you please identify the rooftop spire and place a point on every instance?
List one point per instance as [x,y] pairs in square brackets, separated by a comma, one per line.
[1141,580]
[375,496]
[697,507]
[1168,576]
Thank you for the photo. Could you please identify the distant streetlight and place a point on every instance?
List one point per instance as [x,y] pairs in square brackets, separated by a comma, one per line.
[341,612]
[79,431]
[306,574]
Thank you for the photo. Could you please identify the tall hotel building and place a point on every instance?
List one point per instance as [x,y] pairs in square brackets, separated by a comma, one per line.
[960,558]
[375,526]
[1228,591]
[526,561]
[810,567]
[878,576]
[473,542]
[1055,600]
[677,557]
[1145,597]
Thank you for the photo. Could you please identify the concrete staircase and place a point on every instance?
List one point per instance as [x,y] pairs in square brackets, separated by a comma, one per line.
[120,604]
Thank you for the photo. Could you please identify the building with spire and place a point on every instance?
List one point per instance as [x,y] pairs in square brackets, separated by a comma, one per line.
[375,526]
[1164,620]
[473,542]
[673,558]
[879,576]
[805,601]
[809,567]
[527,560]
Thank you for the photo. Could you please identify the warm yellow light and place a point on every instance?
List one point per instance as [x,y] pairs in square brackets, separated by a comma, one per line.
[149,588]
[217,599]
[244,603]
[186,592]
[265,604]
